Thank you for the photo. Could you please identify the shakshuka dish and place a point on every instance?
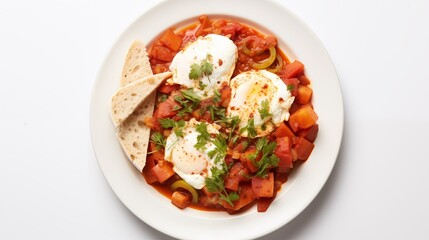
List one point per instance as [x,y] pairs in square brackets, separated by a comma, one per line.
[215,115]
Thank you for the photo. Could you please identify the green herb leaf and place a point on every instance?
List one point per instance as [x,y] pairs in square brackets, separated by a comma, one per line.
[167,122]
[204,136]
[178,130]
[290,87]
[196,72]
[217,97]
[158,139]
[162,97]
[191,95]
[264,110]
[269,159]
[250,128]
[205,68]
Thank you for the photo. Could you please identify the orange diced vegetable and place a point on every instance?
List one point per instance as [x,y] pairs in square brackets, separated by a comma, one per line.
[171,40]
[303,148]
[167,88]
[246,197]
[284,131]
[294,69]
[161,53]
[283,152]
[158,155]
[304,94]
[246,159]
[304,117]
[292,85]
[225,93]
[180,200]
[147,173]
[205,23]
[163,171]
[304,80]
[309,133]
[263,187]
[237,173]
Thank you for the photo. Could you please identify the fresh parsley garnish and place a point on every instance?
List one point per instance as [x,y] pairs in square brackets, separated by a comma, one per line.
[217,97]
[250,128]
[264,110]
[176,125]
[219,152]
[290,87]
[158,139]
[167,122]
[205,68]
[268,159]
[204,136]
[191,95]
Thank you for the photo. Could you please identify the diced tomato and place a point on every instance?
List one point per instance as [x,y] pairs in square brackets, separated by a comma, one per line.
[171,40]
[147,173]
[303,148]
[292,85]
[230,29]
[180,200]
[304,80]
[283,152]
[247,160]
[151,123]
[205,23]
[309,133]
[232,183]
[263,187]
[304,94]
[158,155]
[167,88]
[162,53]
[237,173]
[163,171]
[283,131]
[264,203]
[246,197]
[304,117]
[168,108]
[293,69]
[225,94]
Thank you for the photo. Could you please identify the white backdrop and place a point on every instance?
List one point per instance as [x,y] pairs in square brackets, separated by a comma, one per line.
[52,188]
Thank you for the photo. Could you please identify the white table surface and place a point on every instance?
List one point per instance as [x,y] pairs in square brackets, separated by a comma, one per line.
[51,186]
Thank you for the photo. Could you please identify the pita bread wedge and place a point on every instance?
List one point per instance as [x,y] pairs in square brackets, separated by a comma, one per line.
[137,65]
[128,98]
[133,134]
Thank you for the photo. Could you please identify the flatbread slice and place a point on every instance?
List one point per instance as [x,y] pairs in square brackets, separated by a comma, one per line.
[137,65]
[133,134]
[128,98]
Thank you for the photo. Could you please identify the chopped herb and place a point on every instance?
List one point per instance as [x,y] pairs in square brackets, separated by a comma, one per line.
[178,130]
[162,97]
[290,87]
[233,196]
[268,159]
[204,136]
[167,122]
[216,112]
[158,139]
[190,94]
[264,110]
[219,152]
[250,128]
[196,72]
[205,68]
[201,85]
[217,97]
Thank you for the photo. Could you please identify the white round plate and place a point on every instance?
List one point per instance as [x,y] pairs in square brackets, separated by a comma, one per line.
[298,42]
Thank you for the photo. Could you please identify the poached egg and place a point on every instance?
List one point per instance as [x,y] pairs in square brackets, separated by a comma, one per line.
[253,91]
[192,165]
[218,50]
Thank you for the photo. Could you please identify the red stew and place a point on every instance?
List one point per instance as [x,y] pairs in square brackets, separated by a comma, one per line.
[293,138]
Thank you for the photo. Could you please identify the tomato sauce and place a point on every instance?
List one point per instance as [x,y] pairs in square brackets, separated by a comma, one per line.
[294,137]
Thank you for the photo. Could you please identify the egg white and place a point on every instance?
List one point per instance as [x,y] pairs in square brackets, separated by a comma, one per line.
[192,165]
[221,52]
[248,90]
